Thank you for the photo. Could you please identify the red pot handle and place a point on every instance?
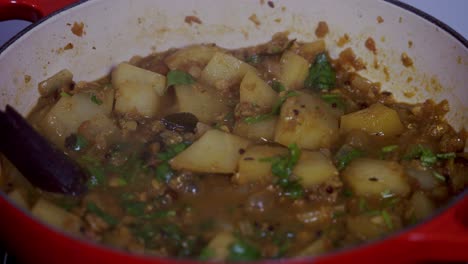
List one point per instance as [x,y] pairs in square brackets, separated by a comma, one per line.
[445,238]
[31,10]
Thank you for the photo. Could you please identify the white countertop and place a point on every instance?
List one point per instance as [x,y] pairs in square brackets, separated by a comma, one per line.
[451,12]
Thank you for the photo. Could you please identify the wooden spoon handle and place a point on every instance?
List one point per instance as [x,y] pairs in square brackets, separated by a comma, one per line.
[44,165]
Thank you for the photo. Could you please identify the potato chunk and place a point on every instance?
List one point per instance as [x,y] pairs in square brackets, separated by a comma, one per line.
[251,168]
[224,70]
[307,121]
[138,90]
[68,114]
[421,206]
[263,130]
[56,216]
[255,91]
[214,152]
[218,248]
[370,177]
[294,70]
[200,101]
[376,119]
[314,168]
[198,55]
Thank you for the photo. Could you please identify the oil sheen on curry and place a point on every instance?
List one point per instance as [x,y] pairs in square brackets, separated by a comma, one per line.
[272,151]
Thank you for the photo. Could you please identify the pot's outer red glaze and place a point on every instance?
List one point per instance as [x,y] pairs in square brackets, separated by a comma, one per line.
[443,238]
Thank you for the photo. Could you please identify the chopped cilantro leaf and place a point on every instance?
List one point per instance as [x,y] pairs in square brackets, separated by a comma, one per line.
[278,86]
[448,155]
[96,100]
[178,77]
[389,148]
[254,59]
[274,111]
[93,208]
[321,76]
[438,176]
[347,154]
[335,100]
[164,172]
[387,219]
[243,251]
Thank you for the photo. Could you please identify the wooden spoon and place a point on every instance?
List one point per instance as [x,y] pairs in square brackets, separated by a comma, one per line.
[44,165]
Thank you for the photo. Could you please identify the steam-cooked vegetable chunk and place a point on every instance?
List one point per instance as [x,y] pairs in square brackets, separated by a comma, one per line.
[214,152]
[200,101]
[306,121]
[138,90]
[224,70]
[218,248]
[56,216]
[314,168]
[256,91]
[262,130]
[371,177]
[294,69]
[66,116]
[377,119]
[252,164]
[185,58]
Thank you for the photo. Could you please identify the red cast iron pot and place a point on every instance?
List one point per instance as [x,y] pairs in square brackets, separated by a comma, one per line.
[116,30]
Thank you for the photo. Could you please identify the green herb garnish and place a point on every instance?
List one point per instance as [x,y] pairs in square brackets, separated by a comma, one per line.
[206,254]
[274,111]
[448,155]
[65,94]
[426,156]
[178,77]
[278,86]
[241,250]
[172,151]
[335,100]
[282,167]
[321,76]
[97,176]
[363,205]
[347,154]
[254,59]
[109,219]
[387,219]
[81,143]
[96,100]
[388,149]
[164,172]
[438,176]
[387,194]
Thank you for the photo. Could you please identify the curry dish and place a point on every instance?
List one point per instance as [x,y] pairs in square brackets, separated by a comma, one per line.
[263,152]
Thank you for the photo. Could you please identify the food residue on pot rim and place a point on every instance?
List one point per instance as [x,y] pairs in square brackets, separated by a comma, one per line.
[410,44]
[406,60]
[27,78]
[322,29]
[349,58]
[78,29]
[370,45]
[192,19]
[380,20]
[255,20]
[68,46]
[343,40]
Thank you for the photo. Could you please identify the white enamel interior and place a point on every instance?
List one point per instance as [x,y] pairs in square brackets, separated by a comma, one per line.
[116,30]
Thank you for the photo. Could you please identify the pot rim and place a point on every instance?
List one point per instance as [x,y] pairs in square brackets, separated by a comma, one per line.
[338,252]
